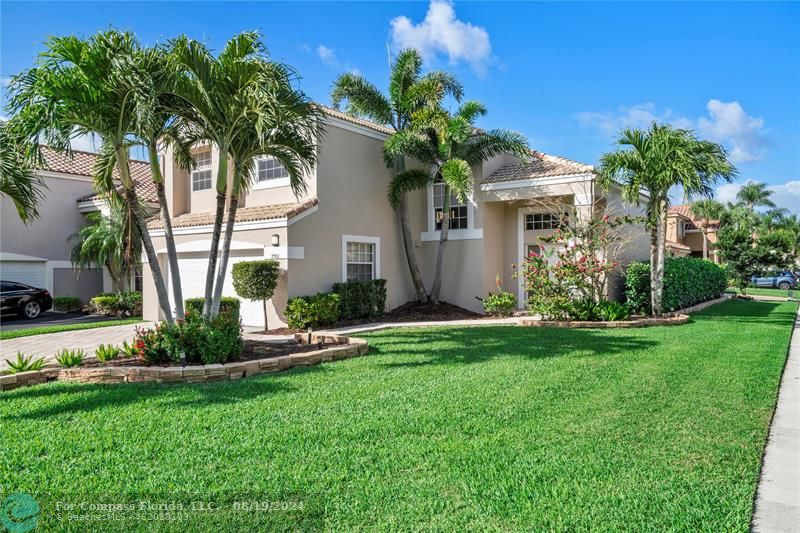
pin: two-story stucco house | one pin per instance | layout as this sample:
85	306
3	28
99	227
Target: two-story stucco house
684	236
38	253
343	227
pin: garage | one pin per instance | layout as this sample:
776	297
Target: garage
193	267
30	272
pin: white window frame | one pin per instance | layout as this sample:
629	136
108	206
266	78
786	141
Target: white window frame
551	221
364	239
203	169
454	234
268	183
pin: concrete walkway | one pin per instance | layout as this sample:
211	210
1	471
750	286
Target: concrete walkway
49	344
778	496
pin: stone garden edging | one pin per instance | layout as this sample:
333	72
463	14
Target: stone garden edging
673	319
341	348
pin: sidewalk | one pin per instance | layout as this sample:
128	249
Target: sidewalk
777	506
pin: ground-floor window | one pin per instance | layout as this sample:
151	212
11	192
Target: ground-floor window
360	258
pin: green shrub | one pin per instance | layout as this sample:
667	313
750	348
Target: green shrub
361	299
24	364
112	303
500	303
106	352
315	311
687	281
613	311
66	303
70	358
128	350
256	280
227	305
201	341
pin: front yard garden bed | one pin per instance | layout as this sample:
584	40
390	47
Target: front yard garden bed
258	357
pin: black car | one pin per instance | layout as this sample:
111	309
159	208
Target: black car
24	300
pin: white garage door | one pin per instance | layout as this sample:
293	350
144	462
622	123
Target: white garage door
28	272
193	280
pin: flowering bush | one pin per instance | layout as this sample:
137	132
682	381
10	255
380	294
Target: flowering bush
201	341
568	279
500	303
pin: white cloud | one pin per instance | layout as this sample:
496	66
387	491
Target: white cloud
786	195
740	132
327	55
442	33
727	123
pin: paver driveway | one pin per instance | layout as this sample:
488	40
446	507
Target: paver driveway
49	344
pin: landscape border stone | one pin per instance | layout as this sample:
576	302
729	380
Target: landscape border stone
332	348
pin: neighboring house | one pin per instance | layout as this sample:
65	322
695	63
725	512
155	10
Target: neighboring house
38	253
684	237
344	228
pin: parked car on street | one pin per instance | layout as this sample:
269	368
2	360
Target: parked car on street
775	280
23	300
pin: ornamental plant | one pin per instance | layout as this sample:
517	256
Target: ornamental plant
256	280
500	303
568	279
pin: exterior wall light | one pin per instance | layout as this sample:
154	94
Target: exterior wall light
276	239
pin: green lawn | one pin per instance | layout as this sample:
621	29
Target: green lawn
502	428
755	291
27	332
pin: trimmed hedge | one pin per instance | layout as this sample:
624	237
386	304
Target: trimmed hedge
227	304
66	303
687	281
316	311
113	303
361	299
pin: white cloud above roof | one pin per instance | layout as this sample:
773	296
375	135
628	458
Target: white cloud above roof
442	33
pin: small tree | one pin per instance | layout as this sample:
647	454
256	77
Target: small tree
256	280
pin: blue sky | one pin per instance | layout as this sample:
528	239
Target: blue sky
568	75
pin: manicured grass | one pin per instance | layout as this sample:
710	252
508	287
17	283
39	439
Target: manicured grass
27	332
500	428
755	291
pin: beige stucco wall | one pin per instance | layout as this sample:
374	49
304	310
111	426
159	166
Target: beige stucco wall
48	236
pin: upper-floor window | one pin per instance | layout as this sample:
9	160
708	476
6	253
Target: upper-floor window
536	221
458	210
689	226
201	171
270	168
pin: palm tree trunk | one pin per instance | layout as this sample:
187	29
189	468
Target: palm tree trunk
658	293
443	234
705	243
172	253
653	262
226	251
139	219
408	241
222	189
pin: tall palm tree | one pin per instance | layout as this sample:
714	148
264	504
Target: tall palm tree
704	211
238	93
113	241
285	125
78	88
449	145
409	91
18	181
654	160
754	195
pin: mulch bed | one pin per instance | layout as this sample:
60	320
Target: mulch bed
277	331
414	312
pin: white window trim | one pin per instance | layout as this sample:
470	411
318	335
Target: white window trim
203	169
471	232
361	238
268	184
540	212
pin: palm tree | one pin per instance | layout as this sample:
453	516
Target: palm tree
654	160
18	181
450	146
78	87
704	211
409	91
241	93
112	241
754	195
